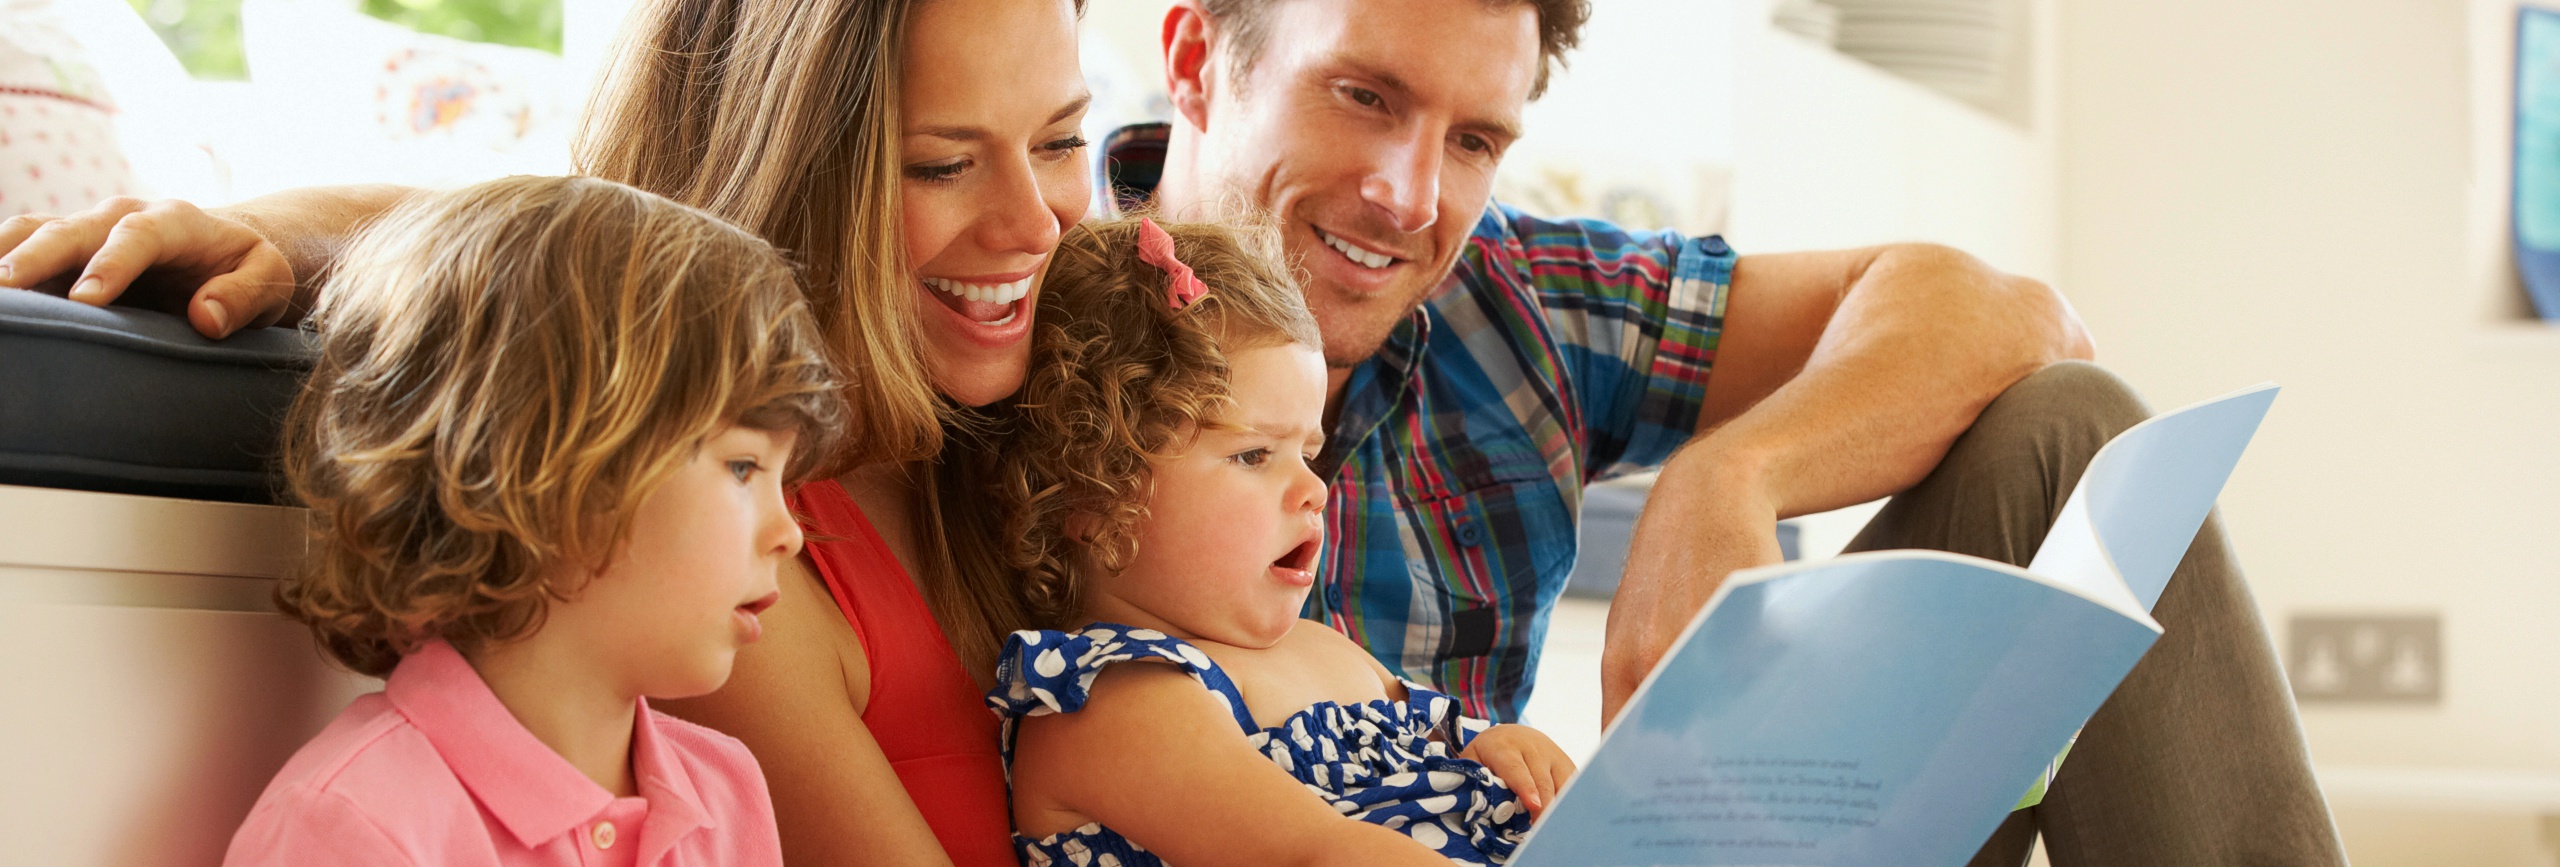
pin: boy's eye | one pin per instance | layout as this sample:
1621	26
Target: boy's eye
743	469
1252	457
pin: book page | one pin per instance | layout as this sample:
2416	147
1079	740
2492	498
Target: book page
2138	505
1853	711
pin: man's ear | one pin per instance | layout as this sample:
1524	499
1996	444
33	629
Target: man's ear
1188	74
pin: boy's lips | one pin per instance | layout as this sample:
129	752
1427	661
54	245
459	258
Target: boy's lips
751	627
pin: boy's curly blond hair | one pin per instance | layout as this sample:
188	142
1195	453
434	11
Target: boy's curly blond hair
1118	377
506	371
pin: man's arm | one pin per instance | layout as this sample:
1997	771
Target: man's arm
253	264
1839	378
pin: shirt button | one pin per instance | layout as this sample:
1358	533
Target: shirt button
1470	534
1714	245
603	835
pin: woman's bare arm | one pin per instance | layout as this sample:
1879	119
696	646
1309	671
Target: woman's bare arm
1157	758
252	264
796	699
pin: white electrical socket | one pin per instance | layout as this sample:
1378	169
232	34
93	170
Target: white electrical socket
2386	659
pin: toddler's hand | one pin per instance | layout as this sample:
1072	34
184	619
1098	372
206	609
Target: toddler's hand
1533	766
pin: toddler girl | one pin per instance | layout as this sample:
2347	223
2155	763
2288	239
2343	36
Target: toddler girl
1156	476
544	449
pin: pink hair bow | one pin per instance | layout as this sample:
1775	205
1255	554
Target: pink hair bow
1156	247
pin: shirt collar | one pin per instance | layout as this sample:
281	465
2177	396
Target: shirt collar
1375	388
529	788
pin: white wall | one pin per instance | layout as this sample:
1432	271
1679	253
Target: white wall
2310	191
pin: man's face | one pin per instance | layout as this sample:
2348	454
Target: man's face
1372	128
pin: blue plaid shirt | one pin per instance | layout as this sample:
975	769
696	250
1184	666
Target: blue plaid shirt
1557	354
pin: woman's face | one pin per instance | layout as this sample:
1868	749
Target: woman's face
993	170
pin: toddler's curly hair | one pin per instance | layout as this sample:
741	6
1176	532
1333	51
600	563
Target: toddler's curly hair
506	371
1118	376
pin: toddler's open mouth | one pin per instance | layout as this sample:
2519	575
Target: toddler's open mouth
1298	567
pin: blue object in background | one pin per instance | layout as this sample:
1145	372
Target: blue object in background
1609	523
2537	157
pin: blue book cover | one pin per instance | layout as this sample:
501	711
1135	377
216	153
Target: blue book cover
1889	707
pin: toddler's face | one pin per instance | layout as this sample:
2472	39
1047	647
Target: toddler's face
1228	549
681	595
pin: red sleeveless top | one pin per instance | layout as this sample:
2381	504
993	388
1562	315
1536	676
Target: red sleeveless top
925	711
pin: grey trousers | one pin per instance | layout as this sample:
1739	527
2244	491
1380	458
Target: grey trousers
2198	758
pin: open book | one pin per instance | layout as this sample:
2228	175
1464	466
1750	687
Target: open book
1889	707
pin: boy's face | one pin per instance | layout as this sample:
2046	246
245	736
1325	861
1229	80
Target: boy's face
1227	551
682	592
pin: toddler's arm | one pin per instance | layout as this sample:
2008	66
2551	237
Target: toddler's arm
1158	759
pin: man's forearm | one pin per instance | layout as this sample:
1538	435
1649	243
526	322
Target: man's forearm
1920	342
312	226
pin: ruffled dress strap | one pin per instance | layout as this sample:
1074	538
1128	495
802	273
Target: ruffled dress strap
1046	671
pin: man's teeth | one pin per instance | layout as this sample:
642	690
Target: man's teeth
1365	258
989	293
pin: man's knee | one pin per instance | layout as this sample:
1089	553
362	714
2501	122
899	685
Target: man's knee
2071	406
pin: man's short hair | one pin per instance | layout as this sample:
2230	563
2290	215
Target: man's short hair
1559	30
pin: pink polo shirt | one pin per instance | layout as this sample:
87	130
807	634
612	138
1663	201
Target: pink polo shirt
432	770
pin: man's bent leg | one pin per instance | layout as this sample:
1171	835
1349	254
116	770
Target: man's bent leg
2198	757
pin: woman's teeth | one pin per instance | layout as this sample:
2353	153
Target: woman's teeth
1365	258
984	293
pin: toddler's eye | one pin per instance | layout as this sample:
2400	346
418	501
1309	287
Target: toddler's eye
744	469
1252	457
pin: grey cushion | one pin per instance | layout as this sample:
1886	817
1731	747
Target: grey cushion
134	401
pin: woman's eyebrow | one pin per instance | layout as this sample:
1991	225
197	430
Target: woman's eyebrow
964	133
1073	106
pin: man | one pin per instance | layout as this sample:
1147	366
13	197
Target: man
1487	365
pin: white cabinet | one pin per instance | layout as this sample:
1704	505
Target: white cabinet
148	689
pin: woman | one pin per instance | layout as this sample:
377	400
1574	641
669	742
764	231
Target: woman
922	180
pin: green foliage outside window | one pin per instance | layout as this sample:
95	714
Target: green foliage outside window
521	23
205	34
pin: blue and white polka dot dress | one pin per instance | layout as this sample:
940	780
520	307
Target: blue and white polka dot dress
1375	761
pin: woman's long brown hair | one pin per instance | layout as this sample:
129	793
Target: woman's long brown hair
783	116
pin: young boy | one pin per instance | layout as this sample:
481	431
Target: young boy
544	449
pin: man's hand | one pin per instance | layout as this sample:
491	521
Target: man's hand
221	274
1704	520
1841	378
1526	760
